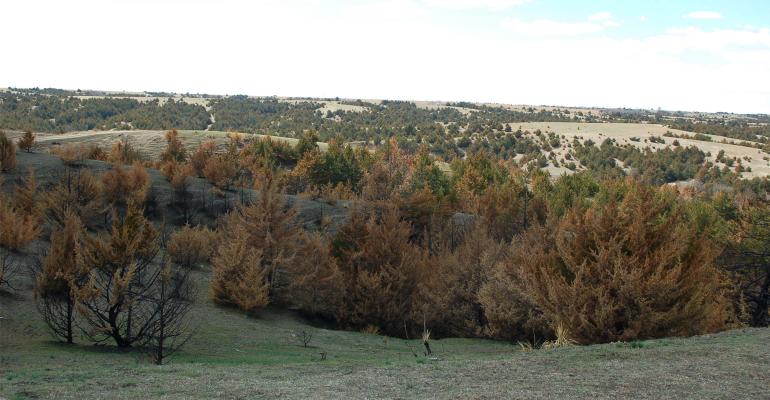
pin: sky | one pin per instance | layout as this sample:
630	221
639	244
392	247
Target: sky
676	55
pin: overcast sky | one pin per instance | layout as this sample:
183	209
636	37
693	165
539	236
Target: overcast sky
677	55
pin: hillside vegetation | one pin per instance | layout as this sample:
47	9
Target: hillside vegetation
209	251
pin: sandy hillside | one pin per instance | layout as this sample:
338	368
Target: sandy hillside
623	133
149	142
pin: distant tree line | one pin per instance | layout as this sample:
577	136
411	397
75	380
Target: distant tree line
49	113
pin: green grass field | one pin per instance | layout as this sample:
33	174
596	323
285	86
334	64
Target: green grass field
236	356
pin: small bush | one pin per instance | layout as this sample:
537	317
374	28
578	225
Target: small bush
123	152
70	154
25	197
76	193
7	153
121	186
220	170
199	159
27	141
190	247
17	228
175	150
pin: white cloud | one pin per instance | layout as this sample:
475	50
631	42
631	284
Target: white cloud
717	41
704	15
384	9
600	17
494	5
643	18
545	27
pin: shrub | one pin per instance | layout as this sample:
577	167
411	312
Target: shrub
27	141
7	153
380	269
200	158
630	267
175	150
123	152
339	164
25	197
307	142
220	170
189	247
506	209
70	154
121	186
510	314
449	295
17	228
76	193
180	177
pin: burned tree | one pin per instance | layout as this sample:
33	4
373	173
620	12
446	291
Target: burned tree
748	257
171	300
7	270
63	271
123	273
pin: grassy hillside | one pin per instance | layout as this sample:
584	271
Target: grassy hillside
151	142
236	356
233	355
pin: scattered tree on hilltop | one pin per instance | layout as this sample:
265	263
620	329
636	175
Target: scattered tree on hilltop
175	150
123	152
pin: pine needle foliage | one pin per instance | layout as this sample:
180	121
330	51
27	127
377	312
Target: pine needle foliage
63	271
7	153
629	267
